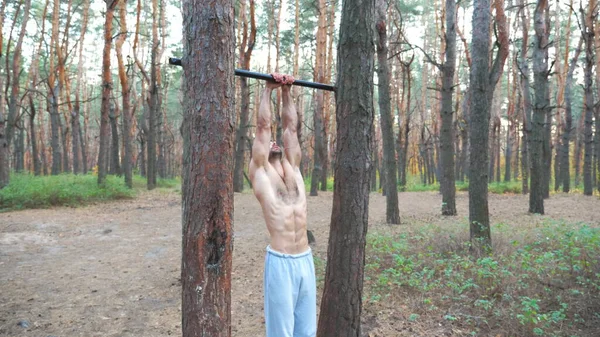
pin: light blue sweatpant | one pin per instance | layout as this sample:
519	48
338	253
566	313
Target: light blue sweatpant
290	294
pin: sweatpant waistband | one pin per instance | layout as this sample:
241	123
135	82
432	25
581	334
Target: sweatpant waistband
288	256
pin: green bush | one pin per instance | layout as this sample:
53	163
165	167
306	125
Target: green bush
535	283
28	191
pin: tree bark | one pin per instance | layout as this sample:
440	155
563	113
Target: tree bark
76	113
483	80
566	132
14	80
246	49
447	181
4	154
104	149
126	101
341	304
588	35
387	132
209	123
541	105
320	148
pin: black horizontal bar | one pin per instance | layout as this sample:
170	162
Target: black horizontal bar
266	77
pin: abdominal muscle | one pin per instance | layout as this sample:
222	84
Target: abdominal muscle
287	225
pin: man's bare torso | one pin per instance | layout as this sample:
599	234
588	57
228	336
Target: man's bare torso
280	191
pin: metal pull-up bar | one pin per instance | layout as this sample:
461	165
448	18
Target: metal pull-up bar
266	77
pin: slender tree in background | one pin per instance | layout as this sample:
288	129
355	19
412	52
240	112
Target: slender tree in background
588	36
14	96
126	103
320	148
208	91
341	304
78	166
387	132
568	125
4	153
525	98
540	107
246	48
153	101
483	80
595	19
103	152
53	95
447	182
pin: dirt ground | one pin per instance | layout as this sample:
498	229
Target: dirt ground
113	269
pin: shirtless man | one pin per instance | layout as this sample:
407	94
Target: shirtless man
289	276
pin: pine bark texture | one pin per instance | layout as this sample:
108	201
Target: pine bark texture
568	125
126	103
208	129
241	142
447	182
387	132
103	152
588	35
4	166
479	123
341	304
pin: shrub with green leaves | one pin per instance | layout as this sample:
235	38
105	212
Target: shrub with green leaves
542	281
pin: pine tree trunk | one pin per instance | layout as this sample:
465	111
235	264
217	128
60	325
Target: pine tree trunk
341	304
389	152
14	96
103	152
37	167
483	80
588	35
126	103
538	138
246	49
568	125
447	182
207	214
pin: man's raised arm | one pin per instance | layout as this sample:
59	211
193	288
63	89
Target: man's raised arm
261	145
290	127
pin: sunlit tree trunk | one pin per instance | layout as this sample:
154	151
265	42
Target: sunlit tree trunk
127	111
103	152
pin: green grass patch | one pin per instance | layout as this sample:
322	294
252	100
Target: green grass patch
540	281
28	191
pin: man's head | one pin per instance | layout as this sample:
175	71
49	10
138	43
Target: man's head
275	151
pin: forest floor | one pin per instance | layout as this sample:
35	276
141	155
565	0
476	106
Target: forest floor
112	269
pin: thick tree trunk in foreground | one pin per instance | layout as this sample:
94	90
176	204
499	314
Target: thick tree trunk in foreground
341	304
387	132
208	126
